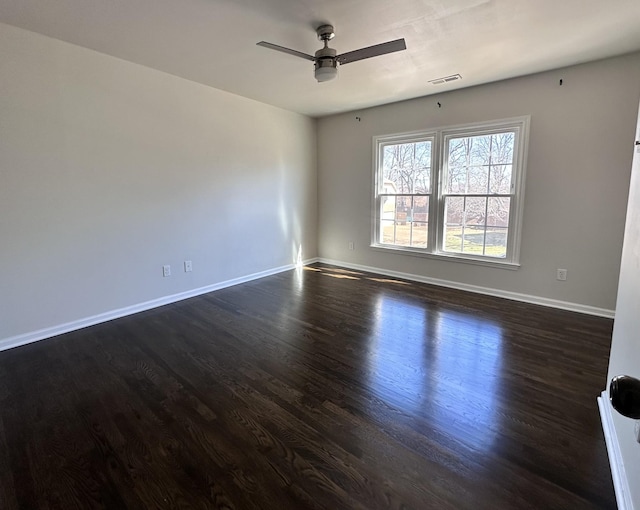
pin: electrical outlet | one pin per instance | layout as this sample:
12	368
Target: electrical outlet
188	266
561	275
351	246
166	270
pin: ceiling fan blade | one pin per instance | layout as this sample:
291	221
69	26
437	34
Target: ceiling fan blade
372	51
295	53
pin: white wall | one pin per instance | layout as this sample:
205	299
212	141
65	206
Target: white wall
625	346
108	170
576	187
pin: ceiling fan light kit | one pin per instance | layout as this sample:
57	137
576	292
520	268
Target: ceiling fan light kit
325	69
326	60
326	65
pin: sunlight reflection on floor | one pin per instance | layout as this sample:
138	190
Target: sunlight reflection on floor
447	368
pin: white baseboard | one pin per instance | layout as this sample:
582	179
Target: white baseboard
620	480
42	334
515	296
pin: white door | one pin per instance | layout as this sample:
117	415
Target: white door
625	347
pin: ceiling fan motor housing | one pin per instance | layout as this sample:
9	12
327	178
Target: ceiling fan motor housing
325	32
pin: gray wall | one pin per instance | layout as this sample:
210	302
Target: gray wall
576	187
625	346
108	170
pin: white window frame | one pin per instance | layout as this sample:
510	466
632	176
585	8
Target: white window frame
439	167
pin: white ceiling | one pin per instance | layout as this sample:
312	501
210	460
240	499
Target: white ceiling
214	41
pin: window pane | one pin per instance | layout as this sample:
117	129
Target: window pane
419	234
453	218
473	234
500	180
470	151
456	180
406	167
477	179
420	218
403	209
403	233
387	235
498	211
502	148
497	226
496	242
420	209
387	208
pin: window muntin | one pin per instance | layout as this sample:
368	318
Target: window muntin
454	192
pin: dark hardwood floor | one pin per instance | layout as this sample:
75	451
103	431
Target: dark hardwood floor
315	388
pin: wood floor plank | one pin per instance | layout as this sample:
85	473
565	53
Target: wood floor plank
318	388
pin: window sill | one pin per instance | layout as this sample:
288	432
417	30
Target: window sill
465	259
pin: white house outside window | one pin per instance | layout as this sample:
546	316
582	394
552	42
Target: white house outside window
452	192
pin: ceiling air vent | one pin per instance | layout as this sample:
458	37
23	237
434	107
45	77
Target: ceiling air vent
446	79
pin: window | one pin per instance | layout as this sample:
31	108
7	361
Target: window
453	192
406	192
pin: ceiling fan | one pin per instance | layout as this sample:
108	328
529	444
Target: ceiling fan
326	61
